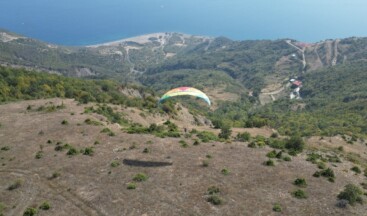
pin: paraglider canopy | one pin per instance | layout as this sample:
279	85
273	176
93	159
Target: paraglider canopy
185	91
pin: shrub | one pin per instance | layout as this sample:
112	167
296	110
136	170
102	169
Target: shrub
209	156
140	177
49	142
277	143
225	171
92	122
183	144
214	199
327	173
45	206
356	169
287	158
39	155
342	203
30	212
146	150
274	135
207	136
252	145
269	163
88	151
352	194
321	165
17	184
279	155
72	151
115	163
213	190
55	175
277	207
271	154
5	148
196	142
106	130
243	137
64	122
205	163
301	182
295	144
225	132
299	194
131	186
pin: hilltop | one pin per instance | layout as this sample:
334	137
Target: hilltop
177	179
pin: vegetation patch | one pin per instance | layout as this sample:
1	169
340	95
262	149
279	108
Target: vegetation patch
277	207
115	163
140	177
88	121
45	206
30	211
15	185
299	194
352	194
300	182
213	195
131	186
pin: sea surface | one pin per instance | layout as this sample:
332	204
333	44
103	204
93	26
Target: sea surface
87	22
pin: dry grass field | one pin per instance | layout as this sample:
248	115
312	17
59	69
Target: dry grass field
177	182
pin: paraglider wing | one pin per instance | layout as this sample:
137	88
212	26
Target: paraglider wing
185	91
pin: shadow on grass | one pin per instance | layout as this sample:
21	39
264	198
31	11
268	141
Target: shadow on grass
145	163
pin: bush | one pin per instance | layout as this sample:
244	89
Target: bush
299	194
342	203
207	136
64	122
301	182
352	194
131	186
196	142
214	199
213	190
17	184
55	175
88	151
243	137
287	158
225	171
274	135
327	173
295	144
72	151
146	150
277	143
30	212
356	169
45	206
277	207
115	164
39	155
5	148
140	177
269	163
205	163
271	154
183	144
225	132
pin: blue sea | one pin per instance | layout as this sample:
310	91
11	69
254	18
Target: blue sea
86	22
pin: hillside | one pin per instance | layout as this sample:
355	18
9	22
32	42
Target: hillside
95	183
260	66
